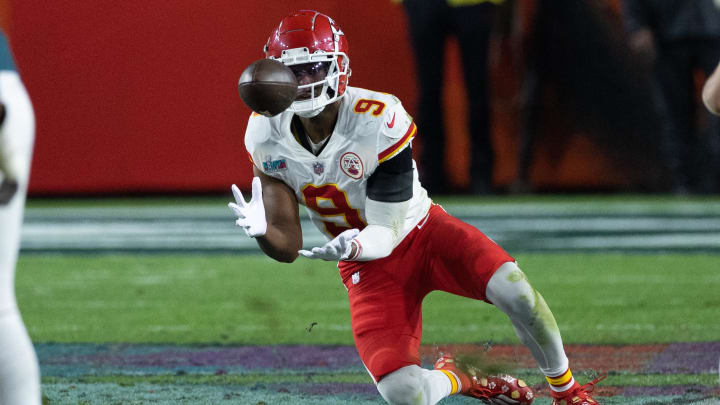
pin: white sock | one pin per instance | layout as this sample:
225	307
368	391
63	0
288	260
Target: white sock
413	385
535	326
19	373
437	386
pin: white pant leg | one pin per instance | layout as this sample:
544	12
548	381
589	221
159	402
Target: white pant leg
19	371
535	326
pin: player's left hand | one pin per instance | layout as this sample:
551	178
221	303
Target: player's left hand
335	250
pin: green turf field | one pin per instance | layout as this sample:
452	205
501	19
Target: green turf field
142	326
632	298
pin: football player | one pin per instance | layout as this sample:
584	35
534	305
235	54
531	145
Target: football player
19	374
344	153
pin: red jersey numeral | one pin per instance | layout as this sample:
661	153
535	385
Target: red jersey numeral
336	205
364	105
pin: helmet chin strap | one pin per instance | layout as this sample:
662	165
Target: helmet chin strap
312	107
311	113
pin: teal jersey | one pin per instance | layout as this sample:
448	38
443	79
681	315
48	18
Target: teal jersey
6	59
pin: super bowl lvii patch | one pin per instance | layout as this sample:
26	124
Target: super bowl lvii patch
271	166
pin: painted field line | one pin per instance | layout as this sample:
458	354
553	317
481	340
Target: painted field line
550	225
661	359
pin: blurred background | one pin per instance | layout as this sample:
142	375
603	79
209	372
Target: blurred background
140	97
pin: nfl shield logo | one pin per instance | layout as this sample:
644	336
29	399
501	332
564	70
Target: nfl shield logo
318	168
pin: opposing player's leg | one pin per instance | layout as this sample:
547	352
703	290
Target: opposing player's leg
19	374
535	326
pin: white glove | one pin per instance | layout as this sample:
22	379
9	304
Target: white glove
251	215
335	250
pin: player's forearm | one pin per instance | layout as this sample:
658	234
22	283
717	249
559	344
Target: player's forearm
280	244
385	225
374	242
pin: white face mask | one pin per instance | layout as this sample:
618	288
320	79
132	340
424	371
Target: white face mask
320	92
324	91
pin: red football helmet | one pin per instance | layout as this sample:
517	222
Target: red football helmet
311	43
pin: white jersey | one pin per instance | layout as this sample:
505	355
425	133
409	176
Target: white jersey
371	128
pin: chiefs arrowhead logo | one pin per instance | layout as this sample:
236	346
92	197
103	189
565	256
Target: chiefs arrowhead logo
351	165
392	122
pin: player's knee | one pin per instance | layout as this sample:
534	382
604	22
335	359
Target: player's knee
403	386
510	291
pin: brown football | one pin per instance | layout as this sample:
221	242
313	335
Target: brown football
268	87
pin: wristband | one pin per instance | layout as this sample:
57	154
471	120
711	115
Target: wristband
358	249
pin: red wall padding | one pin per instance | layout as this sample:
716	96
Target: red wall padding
141	95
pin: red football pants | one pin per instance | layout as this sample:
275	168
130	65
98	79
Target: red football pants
440	253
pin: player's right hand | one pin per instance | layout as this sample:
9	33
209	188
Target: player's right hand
335	250
251	215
